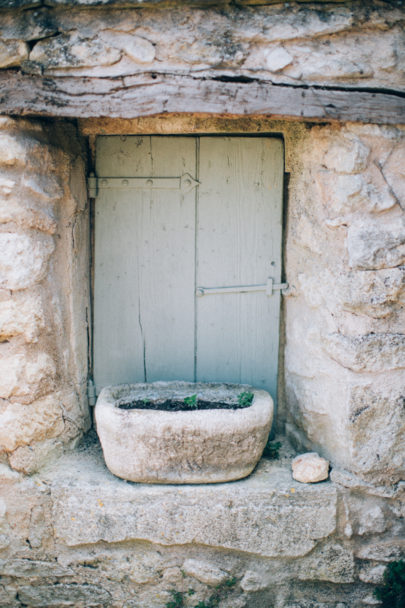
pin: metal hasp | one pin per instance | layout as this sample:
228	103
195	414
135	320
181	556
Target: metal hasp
185	183
269	288
91	392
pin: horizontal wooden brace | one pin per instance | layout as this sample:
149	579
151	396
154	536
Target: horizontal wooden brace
147	94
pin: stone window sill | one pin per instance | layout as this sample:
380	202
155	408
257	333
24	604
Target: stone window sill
267	514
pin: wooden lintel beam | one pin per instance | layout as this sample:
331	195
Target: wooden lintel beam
147	94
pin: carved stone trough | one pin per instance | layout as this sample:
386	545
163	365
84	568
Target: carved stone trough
221	442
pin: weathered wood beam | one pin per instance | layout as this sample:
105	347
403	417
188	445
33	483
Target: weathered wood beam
24	4
150	93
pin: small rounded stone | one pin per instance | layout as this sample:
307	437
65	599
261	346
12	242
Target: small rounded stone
310	468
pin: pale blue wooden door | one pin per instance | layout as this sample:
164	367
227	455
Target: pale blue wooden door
162	246
239	243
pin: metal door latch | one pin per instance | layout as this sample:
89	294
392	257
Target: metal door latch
185	183
91	392
269	288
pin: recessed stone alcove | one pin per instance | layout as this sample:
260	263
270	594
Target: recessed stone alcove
70	533
252	529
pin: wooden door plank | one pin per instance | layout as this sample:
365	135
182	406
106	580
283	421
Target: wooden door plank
239	243
144	264
118	352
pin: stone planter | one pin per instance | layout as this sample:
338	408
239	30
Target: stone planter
198	446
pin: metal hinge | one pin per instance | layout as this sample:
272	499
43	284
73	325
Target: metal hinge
269	288
185	183
91	392
92	185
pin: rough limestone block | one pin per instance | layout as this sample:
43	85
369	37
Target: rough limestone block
378	196
375	293
141	575
14	125
45	189
6	185
330	562
21	148
13	152
21	315
357	484
22	424
394	172
316	65
384	551
372	520
341	194
310	468
370	352
73	50
267	514
26	214
24	500
253	581
32	25
30	567
347	194
375	244
10	368
12	53
173	576
26	377
204	572
277	59
347	155
29	459
64	594
372	574
5	538
370	600
24	259
138	49
8	597
375	429
366	515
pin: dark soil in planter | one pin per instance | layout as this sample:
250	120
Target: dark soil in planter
177	405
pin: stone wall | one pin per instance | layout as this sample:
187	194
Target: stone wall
326	61
77	536
345	319
70	533
300	44
43	292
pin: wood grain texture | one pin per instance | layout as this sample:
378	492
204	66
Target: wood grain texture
239	243
144	265
152	248
148	94
24	4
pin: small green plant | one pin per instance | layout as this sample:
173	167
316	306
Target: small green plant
191	401
245	399
213	601
392	592
219	594
230	582
272	450
177	601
